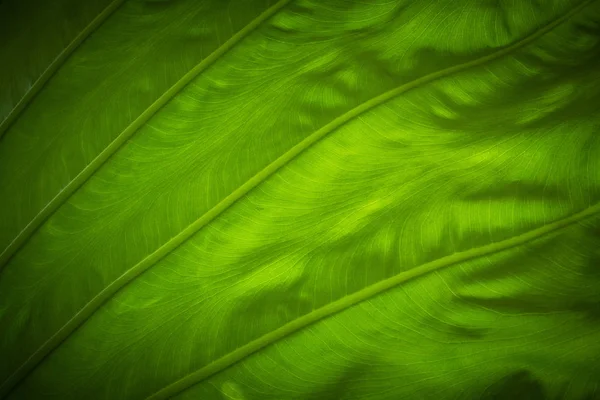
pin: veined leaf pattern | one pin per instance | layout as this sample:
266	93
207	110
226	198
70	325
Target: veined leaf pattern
306	200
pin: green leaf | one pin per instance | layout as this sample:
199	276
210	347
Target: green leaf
300	199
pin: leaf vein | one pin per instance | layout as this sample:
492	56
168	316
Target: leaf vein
365	294
41	81
64	194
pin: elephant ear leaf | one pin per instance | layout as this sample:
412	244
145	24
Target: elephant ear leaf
299	199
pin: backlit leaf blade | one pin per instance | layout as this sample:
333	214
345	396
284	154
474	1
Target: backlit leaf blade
87	113
326	157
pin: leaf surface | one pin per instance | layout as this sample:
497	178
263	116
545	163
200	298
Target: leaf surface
308	200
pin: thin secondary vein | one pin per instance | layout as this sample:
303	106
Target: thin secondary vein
41	81
63	195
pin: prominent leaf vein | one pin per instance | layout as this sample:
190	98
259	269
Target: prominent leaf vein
63	195
54	66
82	177
363	295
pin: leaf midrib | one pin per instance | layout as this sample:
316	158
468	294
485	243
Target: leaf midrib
89	309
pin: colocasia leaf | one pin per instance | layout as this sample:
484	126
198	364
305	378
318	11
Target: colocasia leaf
299	199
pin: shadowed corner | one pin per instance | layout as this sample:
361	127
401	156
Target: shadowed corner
520	385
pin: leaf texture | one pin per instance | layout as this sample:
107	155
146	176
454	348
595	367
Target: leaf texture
302	200
24	77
